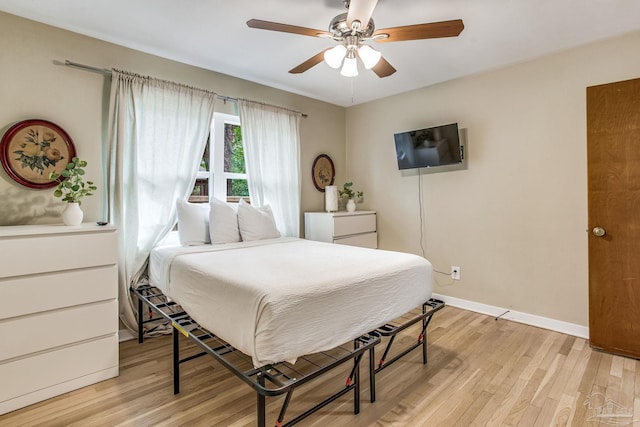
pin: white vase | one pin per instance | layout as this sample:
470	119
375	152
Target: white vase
72	214
351	206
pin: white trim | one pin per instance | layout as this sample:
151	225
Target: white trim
124	335
218	182
517	316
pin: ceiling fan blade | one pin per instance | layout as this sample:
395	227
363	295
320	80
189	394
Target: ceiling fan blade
309	63
286	28
383	68
431	30
360	10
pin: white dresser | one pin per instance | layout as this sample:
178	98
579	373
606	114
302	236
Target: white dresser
347	228
58	310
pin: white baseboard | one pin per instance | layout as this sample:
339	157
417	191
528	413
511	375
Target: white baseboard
517	316
124	335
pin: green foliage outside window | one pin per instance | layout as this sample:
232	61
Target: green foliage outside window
235	152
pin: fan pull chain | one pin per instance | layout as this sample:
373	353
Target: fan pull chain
353	90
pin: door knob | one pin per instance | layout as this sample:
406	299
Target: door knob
599	232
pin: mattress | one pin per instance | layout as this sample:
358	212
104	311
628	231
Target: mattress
278	299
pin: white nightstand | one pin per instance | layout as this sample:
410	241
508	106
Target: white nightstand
346	228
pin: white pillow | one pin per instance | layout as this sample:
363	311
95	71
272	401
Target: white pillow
193	223
256	223
223	222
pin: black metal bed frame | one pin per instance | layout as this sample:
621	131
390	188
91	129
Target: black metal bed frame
392	329
282	378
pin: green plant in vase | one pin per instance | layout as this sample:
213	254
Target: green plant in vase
72	188
71	185
351	194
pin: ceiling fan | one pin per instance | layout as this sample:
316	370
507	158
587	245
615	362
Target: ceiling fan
350	31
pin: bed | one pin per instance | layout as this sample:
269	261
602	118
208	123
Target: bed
284	301
278	299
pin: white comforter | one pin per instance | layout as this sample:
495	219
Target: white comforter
279	299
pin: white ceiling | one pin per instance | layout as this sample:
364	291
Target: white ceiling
213	34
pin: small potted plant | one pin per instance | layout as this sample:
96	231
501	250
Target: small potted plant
350	194
72	188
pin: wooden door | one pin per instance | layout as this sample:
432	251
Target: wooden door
613	160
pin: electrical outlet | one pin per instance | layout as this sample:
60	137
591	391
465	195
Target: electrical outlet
455	272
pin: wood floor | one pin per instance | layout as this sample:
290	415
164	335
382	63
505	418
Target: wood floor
480	372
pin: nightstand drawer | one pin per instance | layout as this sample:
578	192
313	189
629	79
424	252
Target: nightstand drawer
346	228
367	240
356	224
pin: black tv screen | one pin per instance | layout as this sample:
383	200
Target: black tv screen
430	147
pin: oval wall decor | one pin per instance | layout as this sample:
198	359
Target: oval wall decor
323	172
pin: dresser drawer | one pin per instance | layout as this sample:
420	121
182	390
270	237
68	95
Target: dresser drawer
354	224
40	292
44	370
56	252
58	328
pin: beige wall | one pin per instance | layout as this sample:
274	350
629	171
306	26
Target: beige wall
515	220
32	86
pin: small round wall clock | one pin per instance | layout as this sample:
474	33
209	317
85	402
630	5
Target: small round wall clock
323	172
31	149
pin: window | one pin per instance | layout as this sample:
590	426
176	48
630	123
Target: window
222	172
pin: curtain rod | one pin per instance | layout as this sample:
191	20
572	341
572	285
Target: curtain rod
108	73
87	67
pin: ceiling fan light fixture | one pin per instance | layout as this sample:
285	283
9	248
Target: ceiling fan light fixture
351	30
350	67
369	56
333	57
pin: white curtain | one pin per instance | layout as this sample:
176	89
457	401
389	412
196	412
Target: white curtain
157	133
271	140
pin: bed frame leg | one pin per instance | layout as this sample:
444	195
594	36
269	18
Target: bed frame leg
356	392
425	323
372	375
176	361
356	377
261	406
140	334
285	405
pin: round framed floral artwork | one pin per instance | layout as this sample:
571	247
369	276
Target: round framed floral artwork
31	149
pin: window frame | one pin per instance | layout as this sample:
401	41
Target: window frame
215	179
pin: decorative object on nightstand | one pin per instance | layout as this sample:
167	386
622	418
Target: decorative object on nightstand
72	188
32	148
351	195
331	198
322	172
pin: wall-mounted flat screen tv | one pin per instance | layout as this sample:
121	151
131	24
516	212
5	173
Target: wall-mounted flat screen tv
430	147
